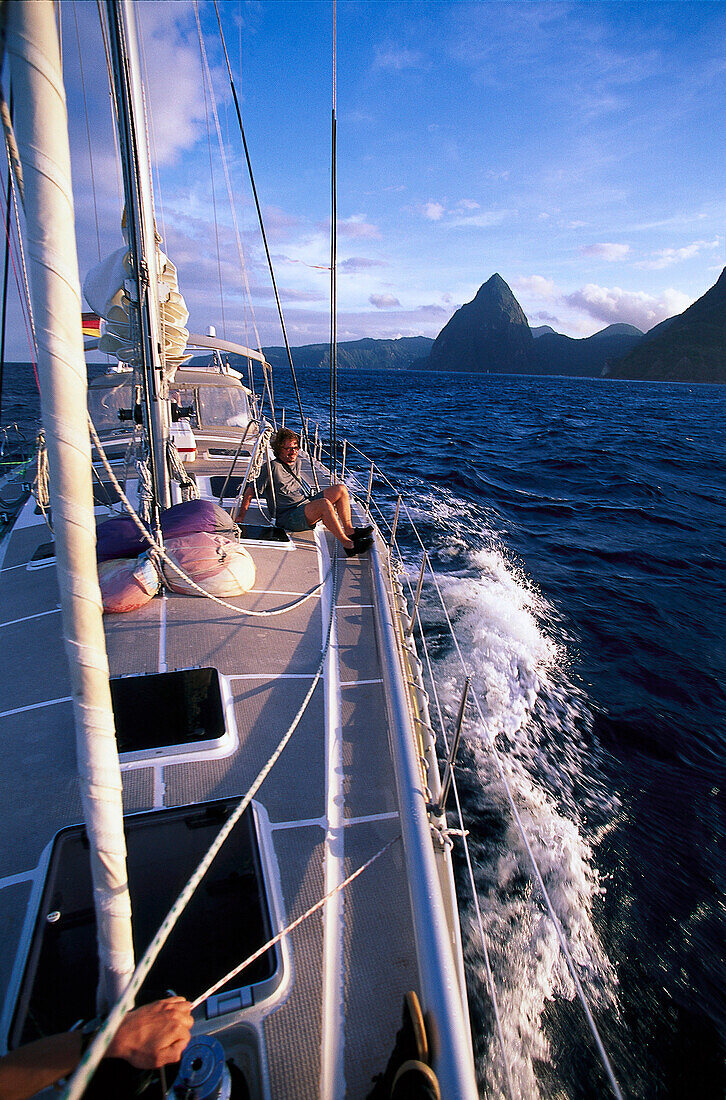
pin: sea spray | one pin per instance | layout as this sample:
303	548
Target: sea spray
537	716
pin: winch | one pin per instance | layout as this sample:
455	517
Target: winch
203	1073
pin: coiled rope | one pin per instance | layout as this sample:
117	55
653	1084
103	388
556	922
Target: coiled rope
41	488
158	549
189	488
98	1047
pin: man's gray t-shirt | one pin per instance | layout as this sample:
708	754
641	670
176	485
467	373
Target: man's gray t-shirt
290	489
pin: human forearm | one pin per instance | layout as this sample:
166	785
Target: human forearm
35	1066
148	1037
241	510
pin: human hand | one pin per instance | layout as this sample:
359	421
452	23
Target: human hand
153	1035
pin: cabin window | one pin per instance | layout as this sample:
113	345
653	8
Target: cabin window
104	404
222	406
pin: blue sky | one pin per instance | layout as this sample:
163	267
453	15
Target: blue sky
575	148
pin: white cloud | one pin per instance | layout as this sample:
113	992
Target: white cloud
177	106
357	226
434	211
606	251
537	285
397	58
667	256
486	220
355	264
613	305
384	301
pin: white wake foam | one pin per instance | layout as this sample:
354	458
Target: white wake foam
519	675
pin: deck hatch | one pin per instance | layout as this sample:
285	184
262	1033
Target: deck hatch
258	532
168	710
227	919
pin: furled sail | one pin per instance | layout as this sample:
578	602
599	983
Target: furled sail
110	291
32	46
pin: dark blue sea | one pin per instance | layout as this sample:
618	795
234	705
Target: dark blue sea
578	530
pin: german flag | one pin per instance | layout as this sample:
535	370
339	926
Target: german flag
91	325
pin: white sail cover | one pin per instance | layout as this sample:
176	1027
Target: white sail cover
110	291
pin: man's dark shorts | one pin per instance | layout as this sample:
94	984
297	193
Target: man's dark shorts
295	519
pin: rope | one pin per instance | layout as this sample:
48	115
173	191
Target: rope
291	927
14	190
25	307
145	489
177	469
98	1047
172	564
41	488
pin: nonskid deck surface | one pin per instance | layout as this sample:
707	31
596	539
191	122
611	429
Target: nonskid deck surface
330	800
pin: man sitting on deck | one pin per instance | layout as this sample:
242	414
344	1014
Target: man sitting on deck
295	507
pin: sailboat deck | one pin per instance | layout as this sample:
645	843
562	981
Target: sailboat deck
328	805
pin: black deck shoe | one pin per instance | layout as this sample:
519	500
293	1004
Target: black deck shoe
361	533
359	547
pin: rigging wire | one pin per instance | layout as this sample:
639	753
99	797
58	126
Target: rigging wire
467	857
214	196
334	258
304	430
152	130
111	96
88	131
294	924
383	521
6	270
223	157
23	298
17	187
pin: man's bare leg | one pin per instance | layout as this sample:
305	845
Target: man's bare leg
339	497
323	510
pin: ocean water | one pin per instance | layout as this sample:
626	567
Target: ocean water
577	528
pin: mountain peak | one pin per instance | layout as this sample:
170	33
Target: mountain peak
490	333
495	287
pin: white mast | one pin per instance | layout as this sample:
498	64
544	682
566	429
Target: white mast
42	127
